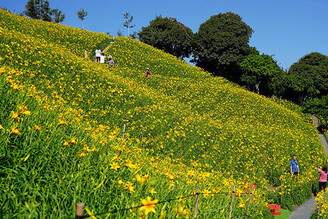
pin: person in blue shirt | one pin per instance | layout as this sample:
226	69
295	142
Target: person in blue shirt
294	169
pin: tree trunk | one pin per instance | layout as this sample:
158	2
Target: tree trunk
82	25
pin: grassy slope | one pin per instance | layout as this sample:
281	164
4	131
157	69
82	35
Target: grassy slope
193	123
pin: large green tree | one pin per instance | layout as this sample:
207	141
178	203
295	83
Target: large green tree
307	78
40	9
221	43
259	70
169	35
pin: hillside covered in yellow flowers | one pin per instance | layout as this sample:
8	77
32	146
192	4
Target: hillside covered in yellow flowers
61	125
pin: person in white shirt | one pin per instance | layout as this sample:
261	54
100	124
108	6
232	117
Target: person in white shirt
102	58
98	54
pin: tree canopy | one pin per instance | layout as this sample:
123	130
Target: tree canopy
318	106
169	35
221	43
128	22
40	9
259	69
81	14
57	16
307	78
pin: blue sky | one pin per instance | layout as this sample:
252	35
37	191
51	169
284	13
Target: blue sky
287	29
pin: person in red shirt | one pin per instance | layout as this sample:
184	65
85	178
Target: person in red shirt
148	73
323	178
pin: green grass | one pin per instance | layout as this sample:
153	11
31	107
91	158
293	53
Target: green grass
284	214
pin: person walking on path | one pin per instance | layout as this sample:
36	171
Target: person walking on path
294	168
148	73
323	178
98	54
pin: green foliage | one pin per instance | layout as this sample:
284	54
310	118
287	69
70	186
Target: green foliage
128	22
222	42
259	69
308	78
169	35
119	32
40	9
319	107
57	16
81	14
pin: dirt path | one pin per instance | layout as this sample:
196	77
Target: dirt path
304	211
105	50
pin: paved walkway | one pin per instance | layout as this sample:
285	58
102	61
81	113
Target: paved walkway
304	211
324	142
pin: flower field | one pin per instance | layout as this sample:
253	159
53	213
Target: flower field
73	39
61	132
322	204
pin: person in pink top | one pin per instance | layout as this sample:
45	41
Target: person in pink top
323	178
148	73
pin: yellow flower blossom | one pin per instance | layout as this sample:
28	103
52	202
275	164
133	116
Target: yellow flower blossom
15	131
15	116
129	187
24	110
120	182
152	191
114	166
72	141
62	122
181	211
82	154
37	128
130	165
241	204
148	205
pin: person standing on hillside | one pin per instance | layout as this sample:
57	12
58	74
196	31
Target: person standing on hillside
148	73
98	54
323	178
111	62
294	168
102	58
